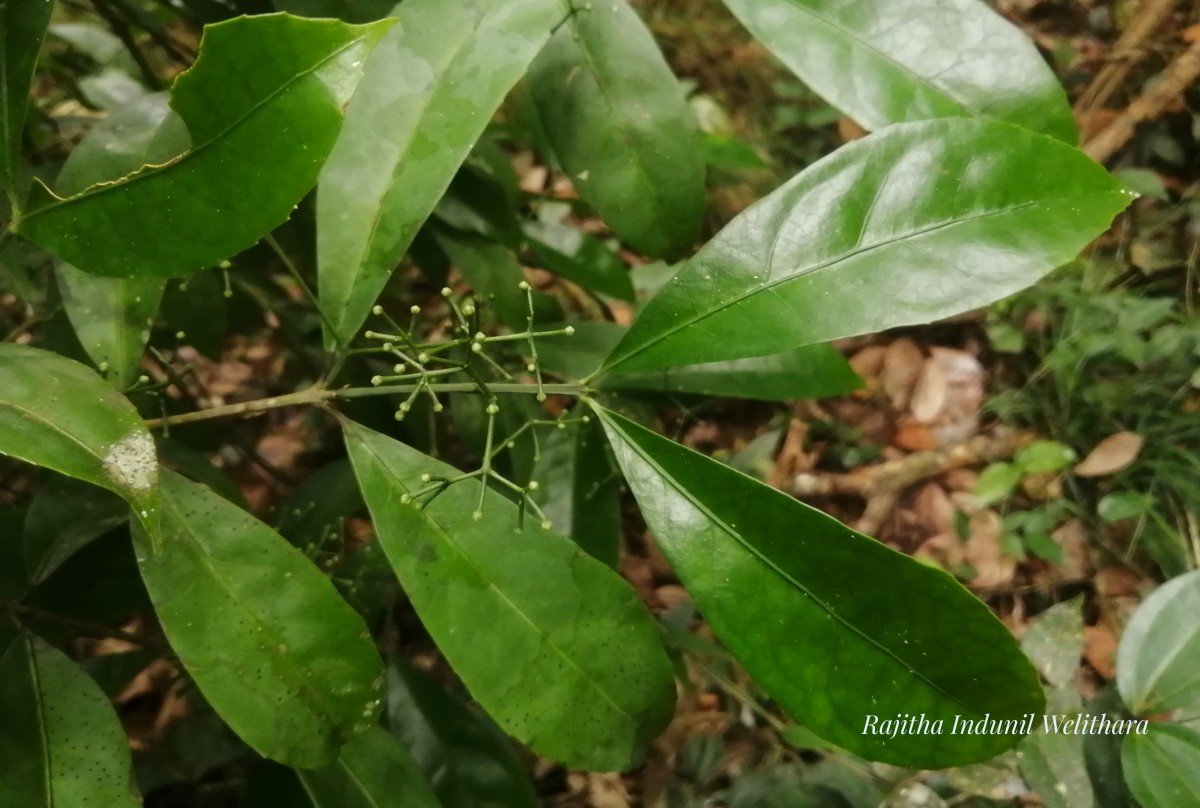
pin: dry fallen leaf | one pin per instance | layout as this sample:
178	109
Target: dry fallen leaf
850	130
929	397
957	418
945	548
902	366
983	552
1112	454
934	510
915	437
868	363
1099	649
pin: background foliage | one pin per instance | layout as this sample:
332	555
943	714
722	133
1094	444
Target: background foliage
465	270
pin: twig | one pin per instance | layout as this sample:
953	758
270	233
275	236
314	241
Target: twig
294	271
1173	81
1125	53
882	484
120	28
317	396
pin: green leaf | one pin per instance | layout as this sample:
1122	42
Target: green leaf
1044	456
427	94
1054	766
573	254
883	63
61	743
833	625
1159	652
996	483
578	487
112	316
1044	546
262	109
64	516
466	758
1121	505
619	124
59	414
372	771
283	659
22	28
552	643
812	371
1162	767
911	224
1055	641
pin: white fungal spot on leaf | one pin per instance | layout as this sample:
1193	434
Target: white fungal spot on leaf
132	463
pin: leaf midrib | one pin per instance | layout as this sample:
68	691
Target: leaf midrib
902	68
629	441
35	680
148	171
591	682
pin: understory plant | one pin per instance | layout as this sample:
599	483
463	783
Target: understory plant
489	421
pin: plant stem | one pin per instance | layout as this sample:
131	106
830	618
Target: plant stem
317	396
294	271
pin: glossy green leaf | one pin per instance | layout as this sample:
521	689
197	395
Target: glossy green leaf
59	414
1162	767
578	489
552	643
833	625
283	659
65	515
60	740
915	223
466	758
428	92
573	254
22	28
112	316
1159	652
372	771
262	109
811	371
617	119
885	63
